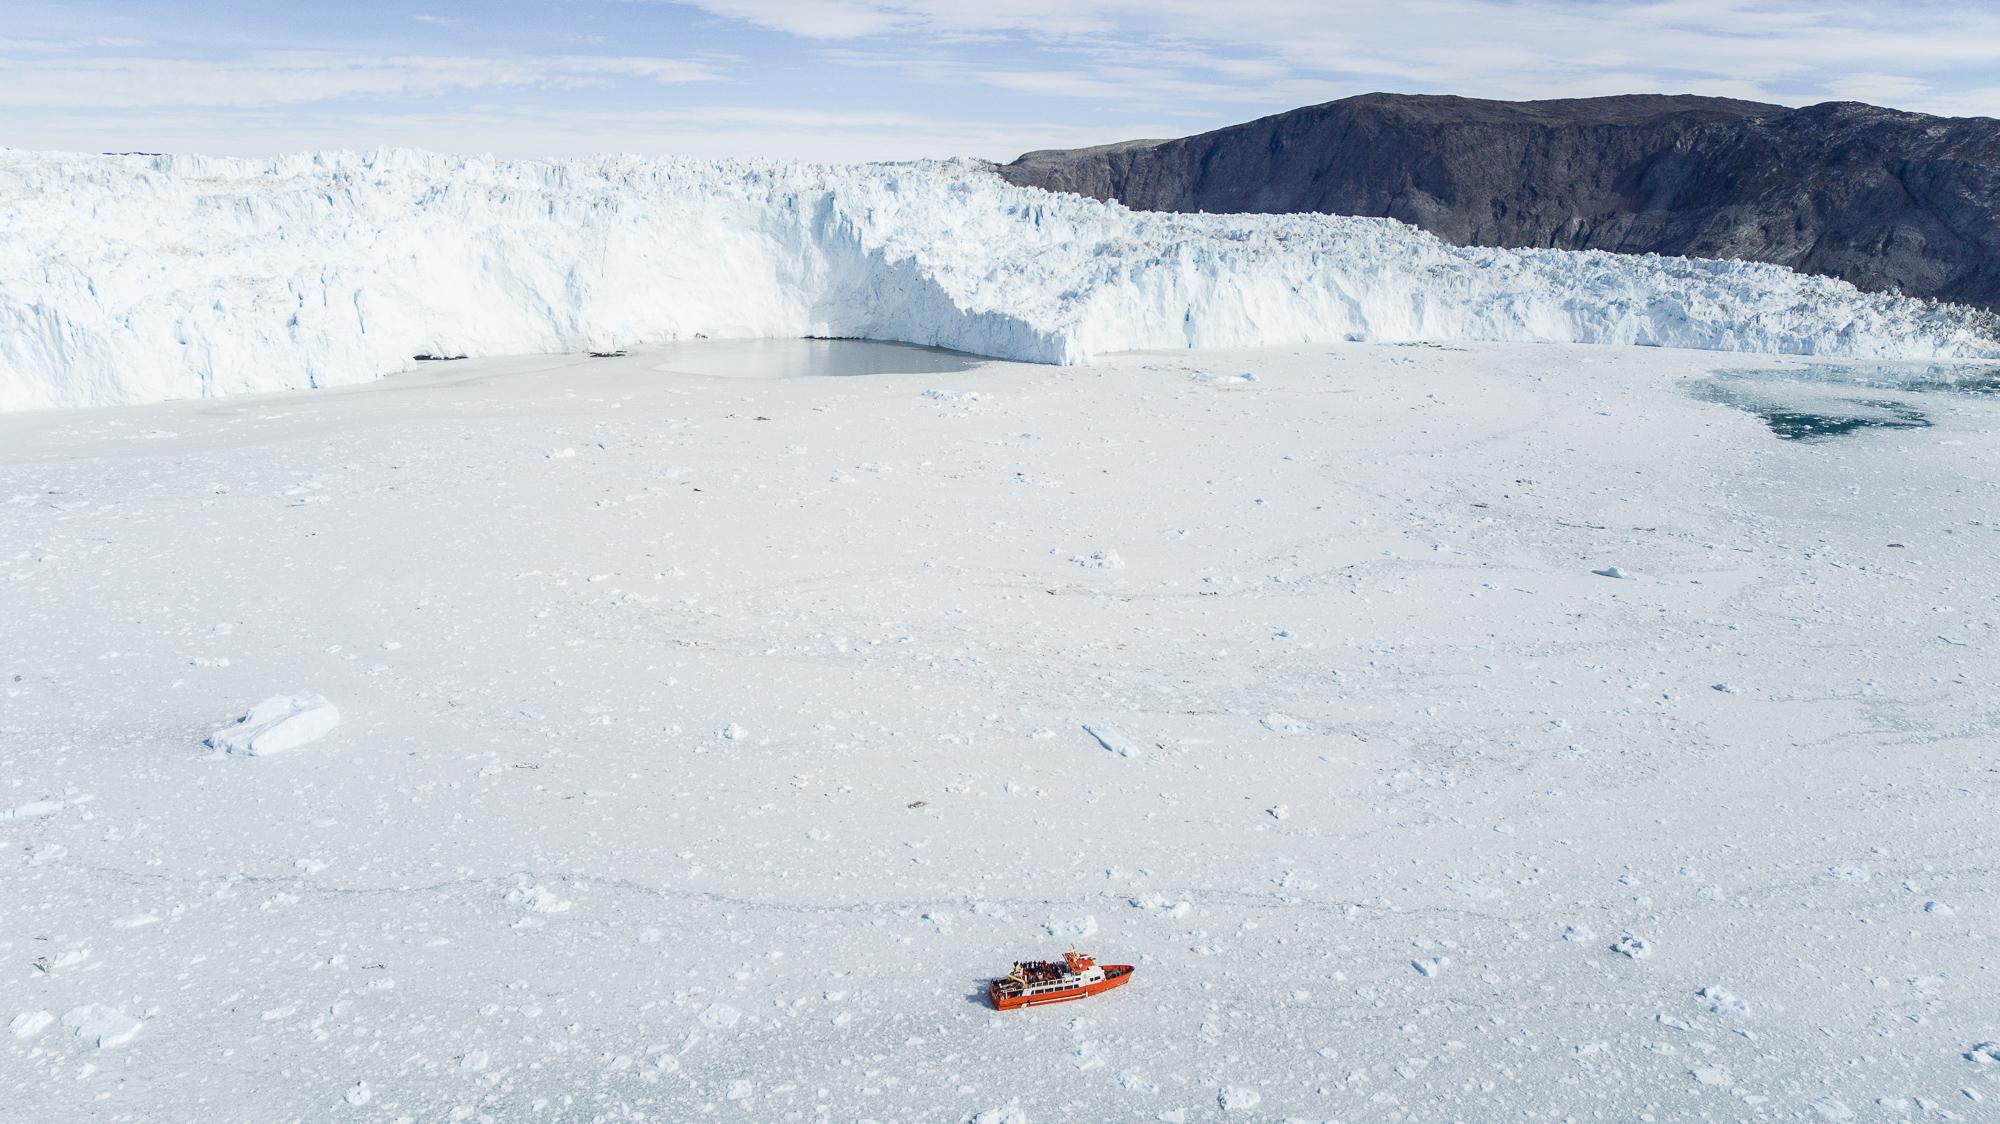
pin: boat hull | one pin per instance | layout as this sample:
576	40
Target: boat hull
1115	975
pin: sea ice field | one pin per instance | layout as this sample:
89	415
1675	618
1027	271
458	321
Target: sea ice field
1483	732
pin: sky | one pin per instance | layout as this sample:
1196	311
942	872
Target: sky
896	79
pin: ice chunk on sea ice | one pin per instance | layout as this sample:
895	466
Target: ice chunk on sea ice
1112	740
1238	1098
538	899
1073	928
277	724
102	1026
27	1024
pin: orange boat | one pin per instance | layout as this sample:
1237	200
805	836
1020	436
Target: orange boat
1035	982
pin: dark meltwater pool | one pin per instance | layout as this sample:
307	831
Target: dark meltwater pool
797	359
1823	402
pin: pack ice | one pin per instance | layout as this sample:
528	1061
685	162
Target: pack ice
278	724
143	278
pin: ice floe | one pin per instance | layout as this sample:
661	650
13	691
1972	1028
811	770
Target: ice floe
102	1026
276	725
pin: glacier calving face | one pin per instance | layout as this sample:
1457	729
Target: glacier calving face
128	279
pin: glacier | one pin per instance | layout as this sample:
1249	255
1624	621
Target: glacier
142	278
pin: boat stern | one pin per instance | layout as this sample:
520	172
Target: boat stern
998	997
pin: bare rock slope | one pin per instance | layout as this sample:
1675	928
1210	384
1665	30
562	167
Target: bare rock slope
1884	199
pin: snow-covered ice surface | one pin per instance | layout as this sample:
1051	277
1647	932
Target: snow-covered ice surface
1531	864
134	278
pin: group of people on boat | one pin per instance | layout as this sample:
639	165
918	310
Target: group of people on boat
1032	972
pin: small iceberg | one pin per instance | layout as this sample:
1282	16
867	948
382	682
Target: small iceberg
278	724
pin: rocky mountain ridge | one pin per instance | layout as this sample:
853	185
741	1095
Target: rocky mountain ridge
1885	199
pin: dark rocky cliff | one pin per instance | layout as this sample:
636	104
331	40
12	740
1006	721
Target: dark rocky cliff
1882	198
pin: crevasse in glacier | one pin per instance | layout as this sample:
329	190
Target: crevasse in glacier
129	279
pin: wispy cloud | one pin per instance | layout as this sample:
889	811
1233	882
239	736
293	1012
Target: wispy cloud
66	46
1798	49
298	77
832	136
884	78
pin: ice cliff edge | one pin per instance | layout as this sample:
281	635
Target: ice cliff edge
127	279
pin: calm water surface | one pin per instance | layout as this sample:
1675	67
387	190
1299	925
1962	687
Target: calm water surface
798	359
1827	401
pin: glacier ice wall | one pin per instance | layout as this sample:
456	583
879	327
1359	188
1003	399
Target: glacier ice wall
129	279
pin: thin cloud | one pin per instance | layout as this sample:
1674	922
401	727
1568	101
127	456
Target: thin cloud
989	78
64	46
1495	48
290	78
830	136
